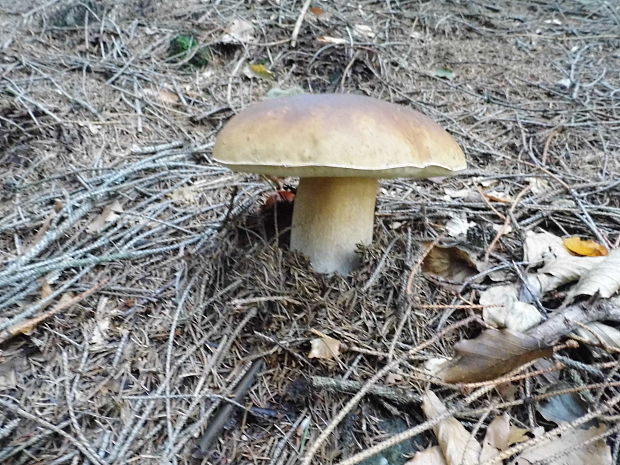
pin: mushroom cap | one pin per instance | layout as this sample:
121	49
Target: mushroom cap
339	135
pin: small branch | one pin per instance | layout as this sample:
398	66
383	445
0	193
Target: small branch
299	22
560	324
398	395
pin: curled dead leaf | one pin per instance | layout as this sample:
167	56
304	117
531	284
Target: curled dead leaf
451	263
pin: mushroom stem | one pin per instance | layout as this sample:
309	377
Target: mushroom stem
331	216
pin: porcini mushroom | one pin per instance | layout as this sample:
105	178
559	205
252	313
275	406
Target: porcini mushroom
339	145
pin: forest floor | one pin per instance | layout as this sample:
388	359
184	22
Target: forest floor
149	314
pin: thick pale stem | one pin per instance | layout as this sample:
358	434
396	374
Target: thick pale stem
332	216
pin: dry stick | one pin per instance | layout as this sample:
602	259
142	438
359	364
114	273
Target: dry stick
549	435
298	23
357	397
399	395
62	305
47	425
223	414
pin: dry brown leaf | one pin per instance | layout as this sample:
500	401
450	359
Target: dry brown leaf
500	436
451	263
602	279
490	355
324	347
598	452
108	215
316	10
457	444
430	456
163	95
504	310
585	247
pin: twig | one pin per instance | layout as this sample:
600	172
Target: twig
298	23
401	396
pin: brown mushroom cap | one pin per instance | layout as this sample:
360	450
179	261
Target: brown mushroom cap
336	135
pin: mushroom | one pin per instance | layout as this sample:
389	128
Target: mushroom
339	145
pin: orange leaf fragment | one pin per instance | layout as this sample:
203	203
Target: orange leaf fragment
585	247
316	10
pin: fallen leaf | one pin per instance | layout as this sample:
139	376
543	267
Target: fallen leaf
458	226
430	456
324	347
103	322
239	32
444	73
538	185
499	196
562	408
316	11
585	247
597	452
500	436
457	444
504	310
490	355
602	279
451	263
163	95
543	247
108	215
258	71
599	333
558	272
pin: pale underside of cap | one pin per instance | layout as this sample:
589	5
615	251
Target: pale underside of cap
339	135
